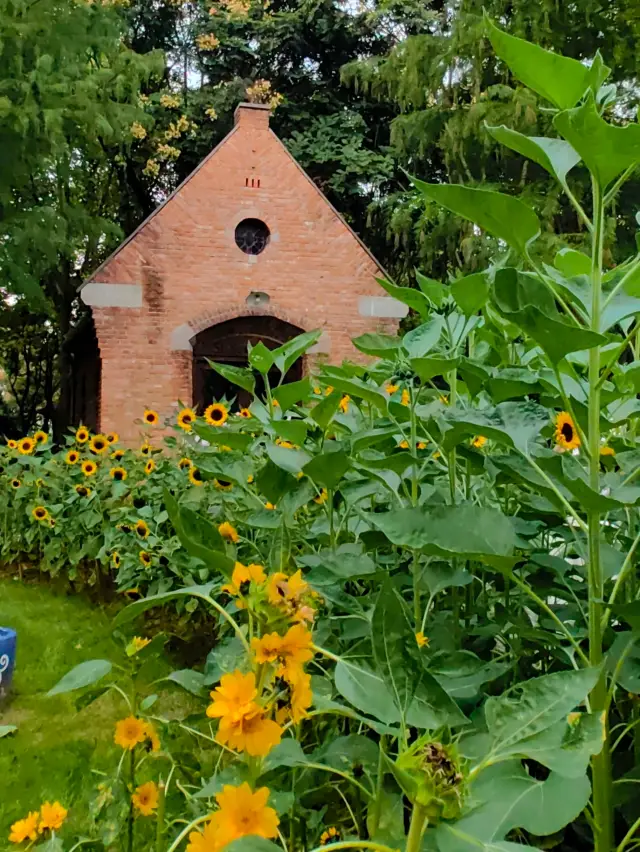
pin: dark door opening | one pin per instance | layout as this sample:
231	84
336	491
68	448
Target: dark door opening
227	343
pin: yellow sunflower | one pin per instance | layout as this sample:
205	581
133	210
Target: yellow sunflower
89	467
99	444
40	437
13	445
40	513
72	457
130	732
566	434
146	449
186	419
195	477
331	835
83	490
145	798
15	483
223	484
82	435
145	558
112	437
479	441
149	467
52	816
117	455
26	446
605	450
115	560
228	531
322	497
151	417
244	412
142	529
344	403
216	414
184	463
118	473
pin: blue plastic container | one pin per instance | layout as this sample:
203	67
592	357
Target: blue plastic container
7	659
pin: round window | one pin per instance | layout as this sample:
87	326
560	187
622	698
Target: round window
252	236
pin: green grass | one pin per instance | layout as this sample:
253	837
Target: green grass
55	749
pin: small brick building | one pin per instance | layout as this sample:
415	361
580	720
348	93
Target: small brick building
246	249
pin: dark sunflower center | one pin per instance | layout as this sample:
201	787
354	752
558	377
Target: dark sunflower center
224	483
216	414
40	513
244	587
117	474
567	431
196	475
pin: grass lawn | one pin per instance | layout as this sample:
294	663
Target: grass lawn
55	749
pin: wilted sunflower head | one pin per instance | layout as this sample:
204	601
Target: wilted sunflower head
82	435
83	490
26	446
186	418
72	457
195	477
145	557
40	437
40	513
141	528
118	473
216	414
151	417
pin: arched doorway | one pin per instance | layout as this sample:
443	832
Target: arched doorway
227	343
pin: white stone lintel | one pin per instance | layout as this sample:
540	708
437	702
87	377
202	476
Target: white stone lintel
382	307
181	338
99	294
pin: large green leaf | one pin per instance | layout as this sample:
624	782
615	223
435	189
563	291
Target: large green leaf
327	469
260	358
85	674
291	393
356	388
466	531
516	424
502	216
471	292
504	798
287	354
559	79
555	155
136	609
240	376
423	338
219	437
392	640
434	290
379	345
536	704
607	149
287	458
427	368
407	295
199	536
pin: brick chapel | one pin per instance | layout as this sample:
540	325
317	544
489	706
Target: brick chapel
246	249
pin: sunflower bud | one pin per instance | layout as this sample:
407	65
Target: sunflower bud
432	775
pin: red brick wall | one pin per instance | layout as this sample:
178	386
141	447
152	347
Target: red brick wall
192	272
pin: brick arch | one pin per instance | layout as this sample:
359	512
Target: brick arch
207	319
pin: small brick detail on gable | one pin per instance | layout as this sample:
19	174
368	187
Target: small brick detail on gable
190	274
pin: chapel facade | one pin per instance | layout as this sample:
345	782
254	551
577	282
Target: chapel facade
246	249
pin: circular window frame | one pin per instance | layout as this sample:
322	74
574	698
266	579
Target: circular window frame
252	244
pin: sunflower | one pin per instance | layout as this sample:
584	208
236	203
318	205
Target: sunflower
118	473
422	640
142	529
149	467
99	444
15	483
331	835
40	513
223	484
228	531
243	812
72	457
115	559
40	437
117	455
479	441
185	419
82	435
566	434
146	449
344	403
139	643
89	467
112	437
195	477
242	723
25	829
269	505
51	816
83	491
13	445
405	399
605	450
244	412
145	558
322	497
184	463
391	389
130	732
145	798
26	446
150	417
216	414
